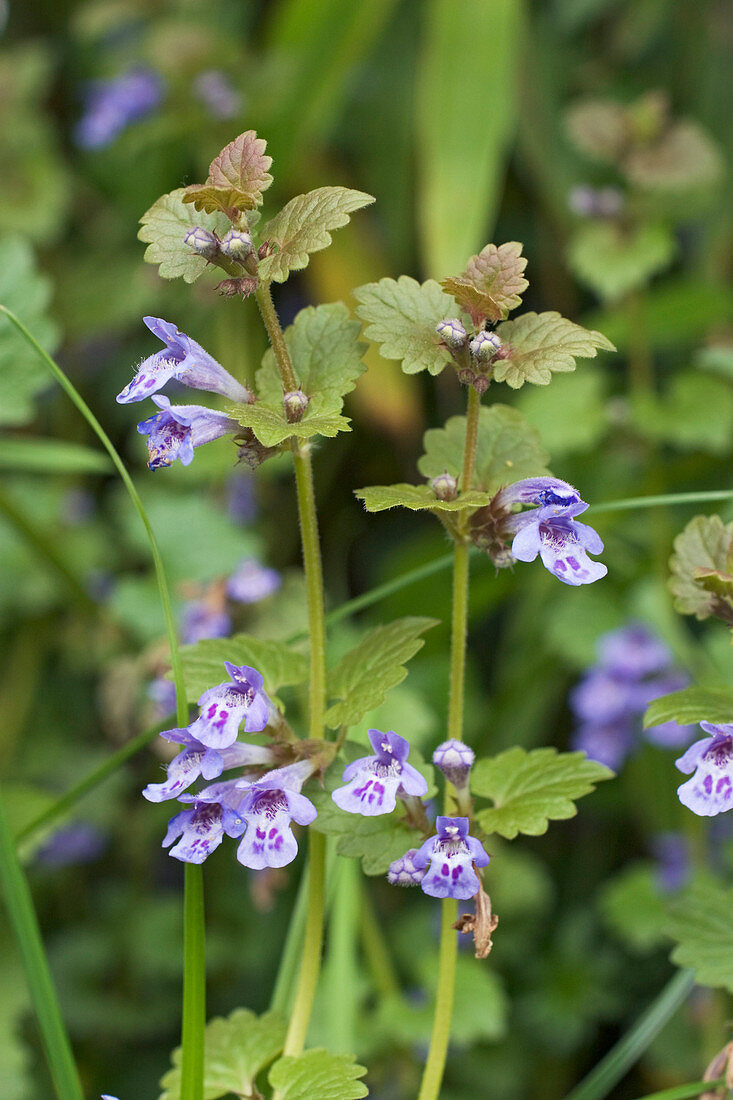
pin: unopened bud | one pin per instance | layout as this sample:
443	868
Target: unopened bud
444	486
202	241
484	346
403	872
455	760
251	450
296	403
452	333
237	245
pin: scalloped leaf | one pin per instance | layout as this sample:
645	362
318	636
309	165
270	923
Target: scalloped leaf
365	674
326	353
539	343
163	228
530	789
700	922
694	704
237	1048
492	284
203	663
418	498
237	177
508	449
271	426
317	1073
613	261
26	292
705	544
303	226
401	315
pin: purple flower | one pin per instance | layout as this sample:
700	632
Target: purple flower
710	791
197	760
176	430
241	498
403	872
607	743
251	582
78	842
202	828
269	806
225	706
561	542
200	620
162	692
373	782
603	698
113	104
547	492
451	856
216	93
182	359
633	651
455	760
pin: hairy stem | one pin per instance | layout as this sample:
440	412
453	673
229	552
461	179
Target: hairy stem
310	966
275	332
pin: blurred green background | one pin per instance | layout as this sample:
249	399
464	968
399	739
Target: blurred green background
455	115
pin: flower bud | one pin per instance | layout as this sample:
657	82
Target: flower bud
484	346
296	403
444	486
251	450
454	758
237	245
452	333
403	872
203	242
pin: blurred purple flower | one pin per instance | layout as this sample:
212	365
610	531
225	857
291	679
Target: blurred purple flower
200	620
162	693
78	842
216	93
112	105
373	782
251	582
608	743
633	651
448	860
242	500
673	861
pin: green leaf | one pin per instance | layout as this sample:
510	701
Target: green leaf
164	227
417	498
695	413
530	789
271	426
462	150
684	157
700	922
26	293
303	226
570	415
318	1074
326	353
237	1048
691	705
203	663
237	177
633	907
401	316
539	343
363	676
613	261
51	456
705	543
492	284
507	450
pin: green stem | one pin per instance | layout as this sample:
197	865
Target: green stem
659	500
312	946
686	1092
293	951
277	339
440	1037
194	980
340	981
629	1049
23	918
375	949
314	586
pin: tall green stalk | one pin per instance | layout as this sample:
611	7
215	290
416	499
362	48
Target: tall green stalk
313	939
194	977
445	994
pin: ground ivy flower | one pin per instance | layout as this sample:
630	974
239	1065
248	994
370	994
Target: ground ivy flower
251	582
562	543
201	829
269	806
484	345
633	651
175	431
182	359
403	872
455	760
710	790
452	332
448	860
224	707
546	492
373	782
111	105
197	760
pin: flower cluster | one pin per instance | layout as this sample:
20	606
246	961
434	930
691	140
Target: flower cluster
112	105
259	810
474	354
595	202
633	668
710	763
176	430
550	529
